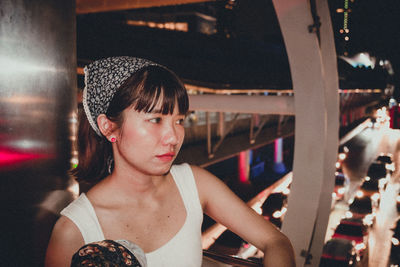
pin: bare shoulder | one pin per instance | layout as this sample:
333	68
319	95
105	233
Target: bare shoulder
203	178
65	240
202	175
208	185
67	229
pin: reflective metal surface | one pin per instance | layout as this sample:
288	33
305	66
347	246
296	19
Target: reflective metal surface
37	100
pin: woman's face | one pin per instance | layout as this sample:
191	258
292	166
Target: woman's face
149	142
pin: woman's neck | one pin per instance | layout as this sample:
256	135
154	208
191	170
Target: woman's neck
134	185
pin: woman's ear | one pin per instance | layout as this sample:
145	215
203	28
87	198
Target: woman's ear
106	126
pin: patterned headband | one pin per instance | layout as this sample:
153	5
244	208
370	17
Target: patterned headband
102	79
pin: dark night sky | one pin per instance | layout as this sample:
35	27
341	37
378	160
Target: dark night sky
375	26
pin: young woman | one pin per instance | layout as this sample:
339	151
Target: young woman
128	141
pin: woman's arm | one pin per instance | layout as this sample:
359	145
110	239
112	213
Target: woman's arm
65	240
221	204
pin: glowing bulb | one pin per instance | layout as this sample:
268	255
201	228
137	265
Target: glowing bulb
375	197
277	214
342	156
286	191
368	219
284	209
258	210
360	246
390	167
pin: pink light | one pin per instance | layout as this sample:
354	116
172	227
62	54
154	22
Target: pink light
10	157
243	167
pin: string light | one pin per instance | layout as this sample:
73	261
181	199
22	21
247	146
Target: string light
345	11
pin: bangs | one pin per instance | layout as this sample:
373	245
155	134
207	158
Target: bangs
152	89
159	91
161	99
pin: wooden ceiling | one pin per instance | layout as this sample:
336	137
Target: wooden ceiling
93	6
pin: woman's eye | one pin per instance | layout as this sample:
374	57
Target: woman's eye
180	121
155	120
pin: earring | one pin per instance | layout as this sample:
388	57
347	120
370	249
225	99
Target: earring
113	139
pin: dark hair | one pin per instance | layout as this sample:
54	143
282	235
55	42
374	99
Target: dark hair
141	91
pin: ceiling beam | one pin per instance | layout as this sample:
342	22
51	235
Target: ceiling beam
94	6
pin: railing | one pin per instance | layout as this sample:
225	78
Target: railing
213	232
212	259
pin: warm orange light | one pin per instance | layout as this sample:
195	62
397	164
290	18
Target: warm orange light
175	26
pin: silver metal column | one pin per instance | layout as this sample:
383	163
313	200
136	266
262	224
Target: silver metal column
37	100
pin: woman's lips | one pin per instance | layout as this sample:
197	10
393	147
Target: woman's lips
166	157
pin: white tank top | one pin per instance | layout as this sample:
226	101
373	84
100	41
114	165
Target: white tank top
182	250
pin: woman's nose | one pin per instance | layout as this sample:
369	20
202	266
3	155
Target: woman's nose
171	135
